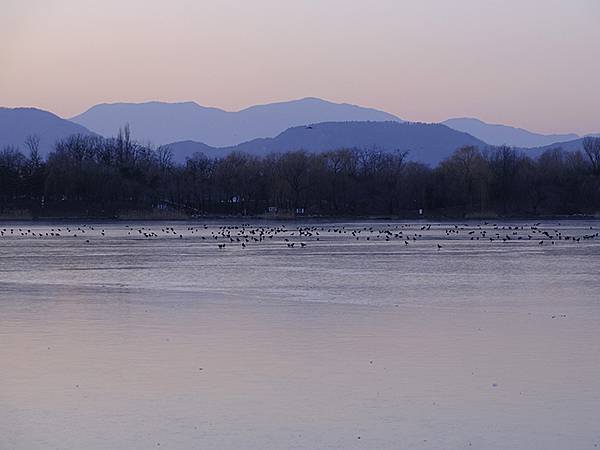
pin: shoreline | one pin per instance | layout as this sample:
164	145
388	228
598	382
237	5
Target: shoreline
307	218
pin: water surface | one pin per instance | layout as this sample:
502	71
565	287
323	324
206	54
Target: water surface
110	338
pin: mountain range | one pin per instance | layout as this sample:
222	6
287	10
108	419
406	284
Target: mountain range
310	123
163	123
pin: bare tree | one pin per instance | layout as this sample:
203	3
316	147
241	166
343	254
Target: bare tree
591	146
32	142
164	156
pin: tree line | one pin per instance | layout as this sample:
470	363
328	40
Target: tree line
100	177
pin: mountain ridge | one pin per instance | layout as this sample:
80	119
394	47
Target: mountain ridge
499	134
17	124
260	128
164	122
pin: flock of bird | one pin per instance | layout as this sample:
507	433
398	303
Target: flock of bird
300	236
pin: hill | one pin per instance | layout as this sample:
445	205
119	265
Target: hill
495	134
162	123
569	146
428	143
16	124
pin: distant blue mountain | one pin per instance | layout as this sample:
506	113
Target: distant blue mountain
264	129
16	124
569	146
505	135
161	123
427	143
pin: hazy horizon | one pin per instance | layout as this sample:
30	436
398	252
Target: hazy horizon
515	63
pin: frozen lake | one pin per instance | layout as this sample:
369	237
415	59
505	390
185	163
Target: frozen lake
370	335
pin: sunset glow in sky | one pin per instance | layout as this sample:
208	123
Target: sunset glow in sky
529	63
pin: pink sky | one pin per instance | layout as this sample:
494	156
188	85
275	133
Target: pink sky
529	63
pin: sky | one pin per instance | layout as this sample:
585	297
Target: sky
529	63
